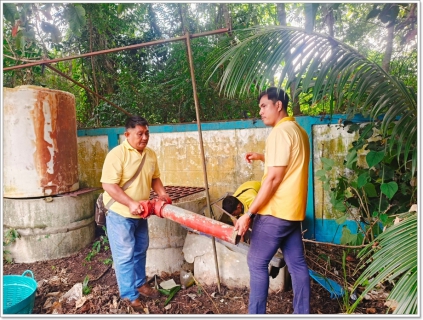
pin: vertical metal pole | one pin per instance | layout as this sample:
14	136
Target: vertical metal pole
197	112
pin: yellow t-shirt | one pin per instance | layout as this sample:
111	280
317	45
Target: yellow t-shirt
288	145
120	165
248	196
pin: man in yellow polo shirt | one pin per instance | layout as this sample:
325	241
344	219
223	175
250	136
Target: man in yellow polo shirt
279	206
126	229
240	202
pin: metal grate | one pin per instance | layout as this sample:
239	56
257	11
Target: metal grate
176	192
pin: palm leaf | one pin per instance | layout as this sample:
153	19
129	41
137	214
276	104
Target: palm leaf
399	242
252	57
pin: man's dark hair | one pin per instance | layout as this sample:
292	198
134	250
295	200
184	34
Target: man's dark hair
134	121
275	95
230	203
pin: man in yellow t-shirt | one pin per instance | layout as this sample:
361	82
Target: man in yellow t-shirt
126	229
279	206
240	202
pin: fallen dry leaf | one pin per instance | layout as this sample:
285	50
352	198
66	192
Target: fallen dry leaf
392	304
371	310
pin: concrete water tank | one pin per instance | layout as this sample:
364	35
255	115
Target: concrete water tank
40	142
50	227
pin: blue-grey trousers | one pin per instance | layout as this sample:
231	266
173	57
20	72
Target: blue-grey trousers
268	234
129	242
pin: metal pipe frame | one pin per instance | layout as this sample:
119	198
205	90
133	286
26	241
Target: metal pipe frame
200	136
134	46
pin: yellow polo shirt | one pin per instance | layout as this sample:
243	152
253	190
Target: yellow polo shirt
120	165
248	196
288	145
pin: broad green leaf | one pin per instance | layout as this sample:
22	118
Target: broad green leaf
352	239
323	178
166	292
353	127
346	235
373	158
77	18
340	206
383	217
351	159
320	173
341	219
172	293
387	172
389	189
9	11
375	146
327	163
363	179
370	190
20	40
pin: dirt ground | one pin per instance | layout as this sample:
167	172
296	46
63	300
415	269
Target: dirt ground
56	277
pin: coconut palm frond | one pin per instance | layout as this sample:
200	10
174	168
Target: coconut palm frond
252	58
399	243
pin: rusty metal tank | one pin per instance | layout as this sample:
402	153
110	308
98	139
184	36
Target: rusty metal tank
39	142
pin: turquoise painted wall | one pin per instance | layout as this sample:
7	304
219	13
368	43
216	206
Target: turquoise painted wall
325	230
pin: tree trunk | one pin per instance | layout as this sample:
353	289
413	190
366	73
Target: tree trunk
92	61
226	16
281	14
294	100
182	16
330	20
388	51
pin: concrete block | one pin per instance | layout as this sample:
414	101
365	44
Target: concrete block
233	268
167	237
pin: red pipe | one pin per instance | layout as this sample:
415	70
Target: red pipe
198	222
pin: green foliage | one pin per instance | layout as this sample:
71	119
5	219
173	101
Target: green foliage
371	191
155	81
75	14
9	237
170	293
332	70
97	246
86	289
392	256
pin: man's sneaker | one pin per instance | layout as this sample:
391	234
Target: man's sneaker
148	292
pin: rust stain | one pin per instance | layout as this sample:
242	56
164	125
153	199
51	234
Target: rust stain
55	158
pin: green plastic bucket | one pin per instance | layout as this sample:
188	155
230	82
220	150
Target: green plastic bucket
19	293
